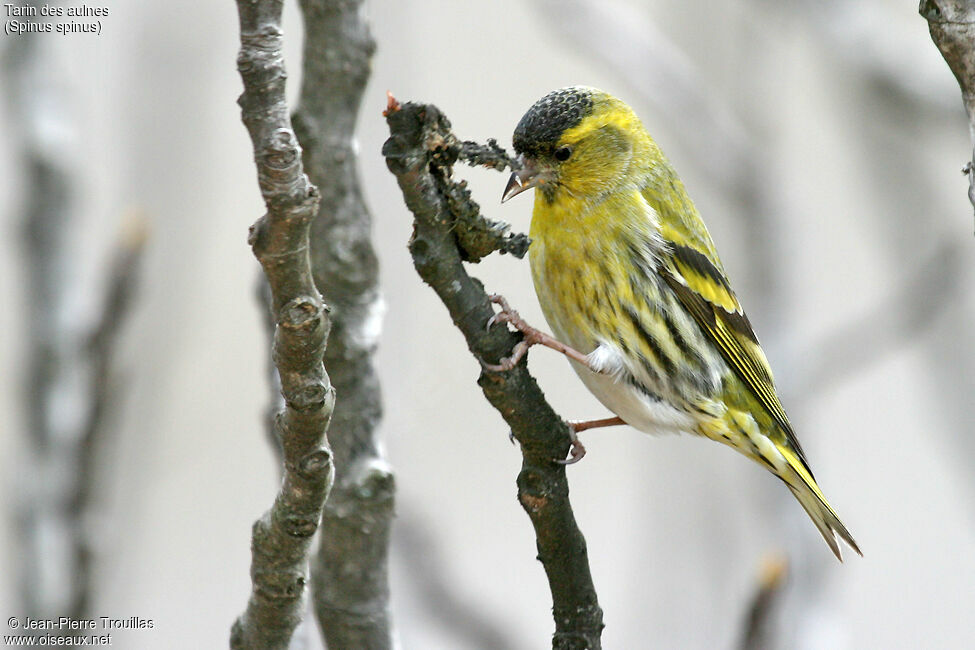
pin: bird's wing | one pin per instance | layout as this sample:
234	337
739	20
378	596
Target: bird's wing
705	292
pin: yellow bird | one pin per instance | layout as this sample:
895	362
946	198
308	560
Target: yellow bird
633	289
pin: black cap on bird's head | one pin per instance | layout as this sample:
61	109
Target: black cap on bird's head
540	128
539	131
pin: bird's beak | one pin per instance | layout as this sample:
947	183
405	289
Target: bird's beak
523	179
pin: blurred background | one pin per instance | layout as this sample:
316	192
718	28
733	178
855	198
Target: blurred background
822	142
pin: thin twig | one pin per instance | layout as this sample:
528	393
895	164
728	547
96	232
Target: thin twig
420	152
282	536
350	583
758	631
123	278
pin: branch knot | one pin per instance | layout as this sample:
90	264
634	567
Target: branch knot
310	397
281	151
279	585
301	313
315	463
300	525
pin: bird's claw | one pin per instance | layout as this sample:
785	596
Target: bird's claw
576	453
507	363
506	315
531	336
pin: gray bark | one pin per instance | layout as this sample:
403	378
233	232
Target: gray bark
350	583
282	537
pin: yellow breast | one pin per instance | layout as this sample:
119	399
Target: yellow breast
579	263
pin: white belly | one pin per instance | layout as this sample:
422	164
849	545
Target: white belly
634	406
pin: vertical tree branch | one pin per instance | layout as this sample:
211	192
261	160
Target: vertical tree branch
48	573
449	229
952	27
282	536
350	589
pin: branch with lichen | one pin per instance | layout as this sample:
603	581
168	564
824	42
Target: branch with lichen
282	536
350	578
448	230
952	27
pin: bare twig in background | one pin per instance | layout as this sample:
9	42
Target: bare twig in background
952	27
69	392
48	578
350	585
122	281
759	629
282	536
420	152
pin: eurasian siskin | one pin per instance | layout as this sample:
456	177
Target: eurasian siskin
628	277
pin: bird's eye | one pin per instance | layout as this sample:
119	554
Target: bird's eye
562	153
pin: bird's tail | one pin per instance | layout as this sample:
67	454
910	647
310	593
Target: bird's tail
800	480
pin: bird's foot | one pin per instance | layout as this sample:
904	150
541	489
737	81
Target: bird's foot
531	336
576	450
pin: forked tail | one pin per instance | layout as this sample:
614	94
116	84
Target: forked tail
803	486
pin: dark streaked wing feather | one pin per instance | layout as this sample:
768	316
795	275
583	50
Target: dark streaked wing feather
706	294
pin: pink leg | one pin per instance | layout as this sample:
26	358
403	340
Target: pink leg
582	425
578	450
